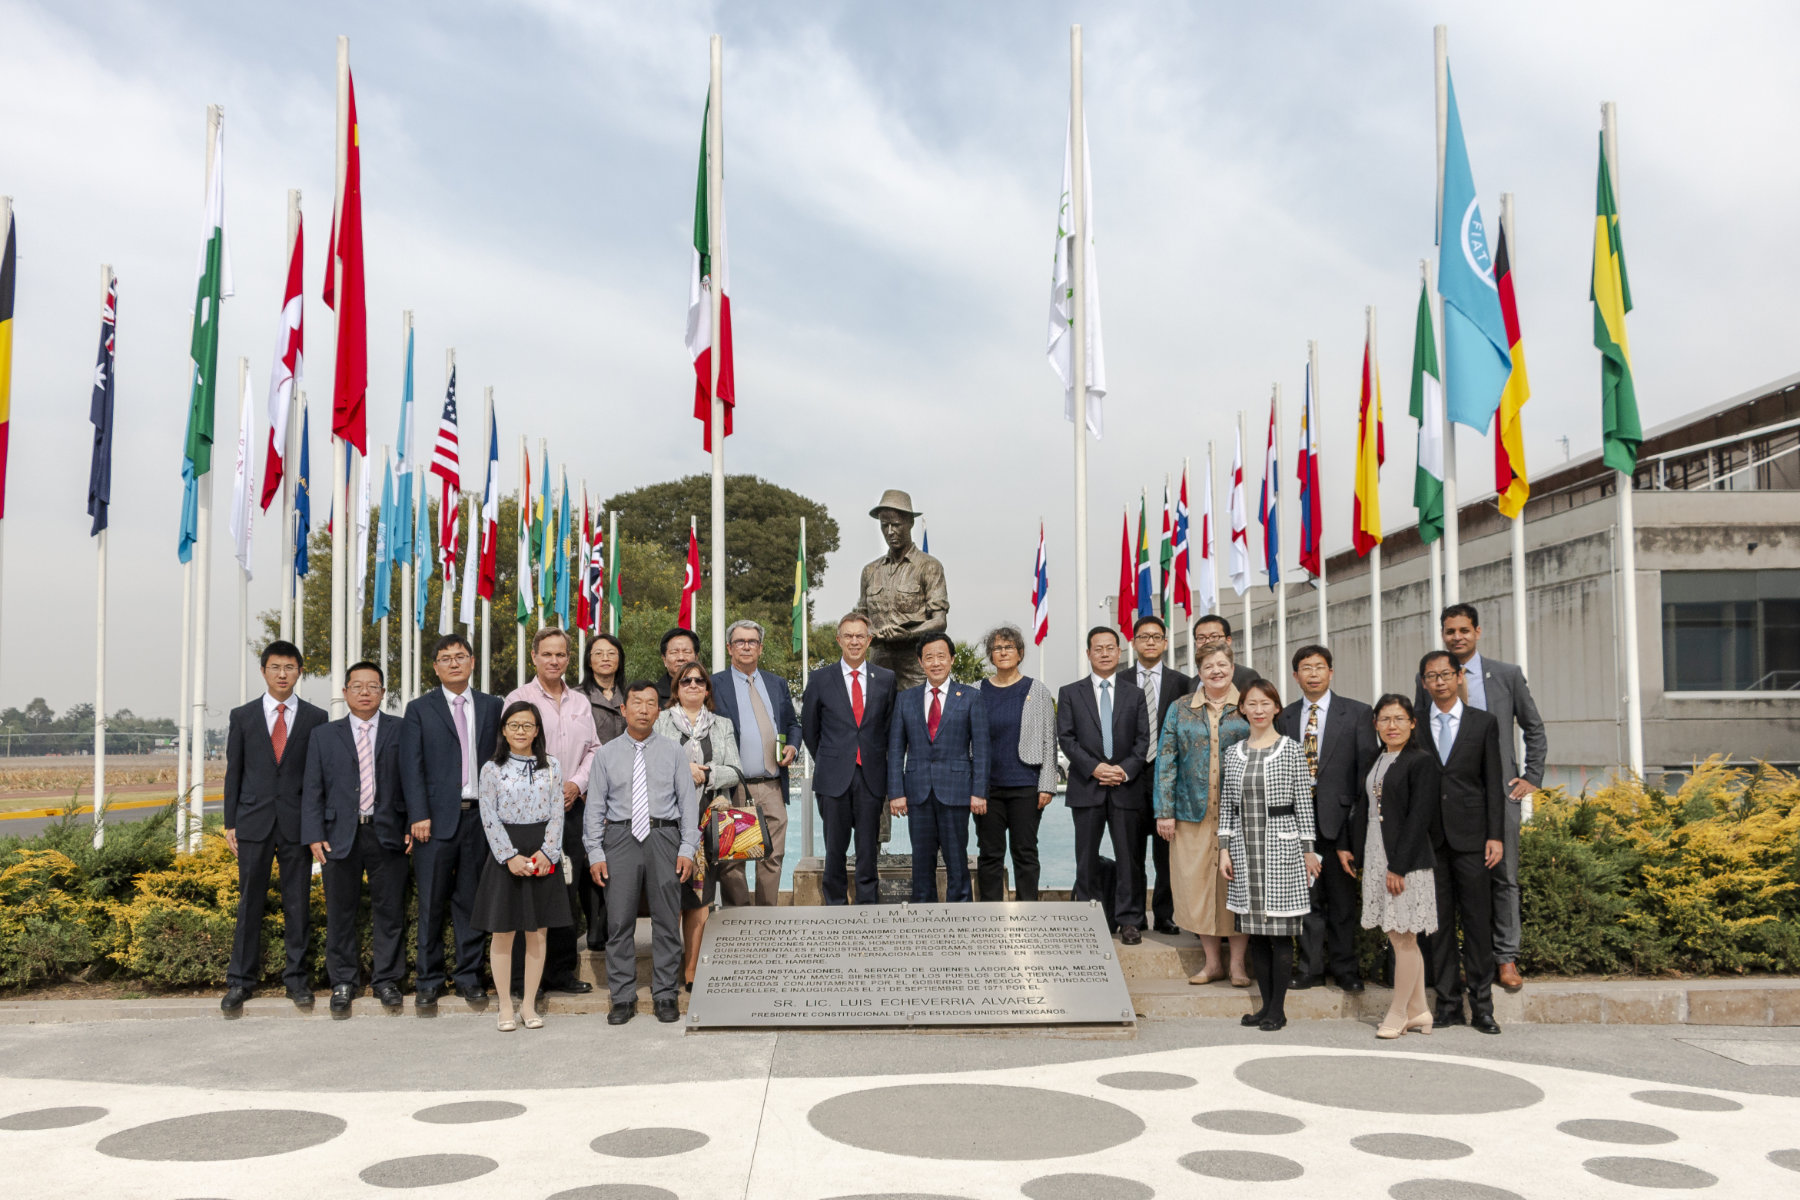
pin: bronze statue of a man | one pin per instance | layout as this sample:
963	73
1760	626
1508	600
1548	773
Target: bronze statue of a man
903	593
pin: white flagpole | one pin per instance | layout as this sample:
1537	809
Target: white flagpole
289	467
296	586
1376	672
487	616
524	568
544	487
1249	620
1452	556
340	472
612	572
1280	585
1520	606
1078	331
1627	483
406	570
715	185
806	808
1192	671
387	463
246	428
202	588
182	710
106	280
418	632
1314	416
1436	559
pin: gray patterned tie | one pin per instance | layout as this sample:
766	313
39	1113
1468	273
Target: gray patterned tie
1152	682
640	796
1106	714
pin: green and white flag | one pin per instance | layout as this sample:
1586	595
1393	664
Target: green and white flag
213	285
1428	410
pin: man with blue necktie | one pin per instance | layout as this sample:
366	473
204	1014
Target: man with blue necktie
937	765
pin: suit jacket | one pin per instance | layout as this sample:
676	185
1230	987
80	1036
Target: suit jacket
953	766
1410	795
829	728
1078	733
781	714
1472	797
431	757
1348	750
1242	677
332	797
262	797
1510	703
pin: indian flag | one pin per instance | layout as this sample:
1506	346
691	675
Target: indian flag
1611	294
1427	409
706	275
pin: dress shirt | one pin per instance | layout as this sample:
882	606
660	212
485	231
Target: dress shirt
1096	681
1324	703
1443	738
864	676
1475	682
568	726
943	700
270	704
359	728
471	756
671	787
519	792
750	747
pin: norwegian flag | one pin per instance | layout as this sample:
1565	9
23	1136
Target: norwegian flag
1183	596
446	465
1040	593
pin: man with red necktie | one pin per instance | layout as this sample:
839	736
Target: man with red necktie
844	718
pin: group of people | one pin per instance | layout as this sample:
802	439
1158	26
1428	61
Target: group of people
560	806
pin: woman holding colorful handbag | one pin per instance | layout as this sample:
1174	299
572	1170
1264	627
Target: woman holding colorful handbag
711	745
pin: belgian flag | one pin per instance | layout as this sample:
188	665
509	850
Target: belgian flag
9	264
1509	434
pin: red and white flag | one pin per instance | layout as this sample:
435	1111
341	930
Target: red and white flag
1240	522
1209	561
446	464
690	585
289	341
1040	593
1183	596
344	254
594	590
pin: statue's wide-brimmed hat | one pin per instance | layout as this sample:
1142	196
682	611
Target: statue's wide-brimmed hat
895	499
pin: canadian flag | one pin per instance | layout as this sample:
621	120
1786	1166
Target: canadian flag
289	339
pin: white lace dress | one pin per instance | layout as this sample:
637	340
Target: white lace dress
1413	910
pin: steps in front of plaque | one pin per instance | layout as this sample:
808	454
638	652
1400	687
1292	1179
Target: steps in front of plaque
895	873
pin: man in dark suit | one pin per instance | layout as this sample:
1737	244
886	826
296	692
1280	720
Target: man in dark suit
844	718
1103	727
1338	736
1162	686
353	817
1466	837
1499	688
265	762
938	770
1214	630
761	709
451	731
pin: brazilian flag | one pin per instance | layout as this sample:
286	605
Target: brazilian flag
1611	294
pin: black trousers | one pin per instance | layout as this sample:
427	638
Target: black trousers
857	812
1465	889
1012	813
561	962
448	871
1162	896
1124	823
1328	934
386	872
255	857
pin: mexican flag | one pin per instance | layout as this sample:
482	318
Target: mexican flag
706	274
1427	407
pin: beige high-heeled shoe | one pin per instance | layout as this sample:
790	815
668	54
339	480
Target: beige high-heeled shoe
1388	1033
1419	1024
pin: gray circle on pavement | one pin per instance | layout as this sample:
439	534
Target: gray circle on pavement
1691	1101
52	1118
223	1136
1649	1172
1449	1189
891	1196
1410	1145
649	1142
1248	1120
616	1191
1624	1133
974	1122
1148	1081
427	1170
1786	1158
1086	1187
1249	1166
1389	1084
469	1112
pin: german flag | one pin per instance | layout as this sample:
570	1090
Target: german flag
9	269
1509	434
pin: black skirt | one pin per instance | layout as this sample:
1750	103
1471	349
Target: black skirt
508	903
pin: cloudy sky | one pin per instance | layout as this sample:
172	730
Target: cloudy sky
1261	175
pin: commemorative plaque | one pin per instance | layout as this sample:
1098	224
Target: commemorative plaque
908	965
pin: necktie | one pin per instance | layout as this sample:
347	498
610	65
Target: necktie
856	704
640	796
1106	718
1443	737
1151	681
278	735
462	733
1310	740
765	727
935	713
365	766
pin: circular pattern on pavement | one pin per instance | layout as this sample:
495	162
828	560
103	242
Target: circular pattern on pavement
975	1122
1248	1120
1148	1081
1691	1101
427	1170
52	1118
1248	1166
1624	1133
1449	1189
1086	1187
1388	1084
469	1112
1410	1145
1649	1172
223	1136
1786	1158
891	1196
616	1191
649	1142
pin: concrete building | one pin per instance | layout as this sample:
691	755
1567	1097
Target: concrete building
1718	585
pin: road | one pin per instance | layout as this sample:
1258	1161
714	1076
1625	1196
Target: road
33	821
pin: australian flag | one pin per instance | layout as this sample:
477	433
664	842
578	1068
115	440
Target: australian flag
100	412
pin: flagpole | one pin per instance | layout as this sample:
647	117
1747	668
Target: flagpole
1249	620
524	567
181	704
806	806
1314	409
1627	483
1279	584
288	467
296	585
1520	607
106	283
1452	532
418	631
202	588
584	552
1375	646
612	574
487	605
339	468
715	233
387	465
1436	548
544	575
1078	331
246	425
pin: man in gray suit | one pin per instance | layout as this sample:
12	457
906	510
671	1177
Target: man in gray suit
1499	688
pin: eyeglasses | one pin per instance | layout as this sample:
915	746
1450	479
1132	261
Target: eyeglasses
1394	719
363	689
452	660
1439	676
745	642
520	727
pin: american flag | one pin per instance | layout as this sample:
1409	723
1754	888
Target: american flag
1040	593
446	464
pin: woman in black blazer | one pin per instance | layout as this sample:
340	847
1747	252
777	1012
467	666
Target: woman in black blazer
1391	828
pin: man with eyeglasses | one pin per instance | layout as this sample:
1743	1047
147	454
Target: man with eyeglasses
761	709
450	731
568	724
1162	686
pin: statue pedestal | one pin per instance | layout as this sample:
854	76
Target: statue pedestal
895	871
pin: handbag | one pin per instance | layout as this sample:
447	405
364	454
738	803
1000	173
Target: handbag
732	834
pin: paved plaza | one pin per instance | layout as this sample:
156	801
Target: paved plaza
176	1109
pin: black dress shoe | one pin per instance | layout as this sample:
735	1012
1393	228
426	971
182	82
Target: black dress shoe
233	1000
389	995
1251	1020
426	997
1272	1024
1301	983
302	996
341	996
1448	1016
669	1010
688	986
473	993
1350	983
620	1012
570	987
1129	935
1169	928
1485	1023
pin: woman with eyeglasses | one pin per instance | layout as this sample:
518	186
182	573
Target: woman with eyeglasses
602	683
1391	826
521	891
711	745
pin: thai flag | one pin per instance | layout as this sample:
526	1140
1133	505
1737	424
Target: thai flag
1183	596
1040	593
1268	512
1309	481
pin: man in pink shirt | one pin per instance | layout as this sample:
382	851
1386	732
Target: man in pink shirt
568	723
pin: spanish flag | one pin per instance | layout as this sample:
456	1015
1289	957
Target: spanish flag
1611	294
9	263
1371	452
1509	434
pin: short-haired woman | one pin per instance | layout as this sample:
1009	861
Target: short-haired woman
521	891
1021	721
711	745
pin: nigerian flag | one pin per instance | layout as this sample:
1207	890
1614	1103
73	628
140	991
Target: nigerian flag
214	285
1428	410
1611	294
800	589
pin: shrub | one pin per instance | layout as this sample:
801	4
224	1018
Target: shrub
47	927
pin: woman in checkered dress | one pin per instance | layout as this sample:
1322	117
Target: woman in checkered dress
1266	847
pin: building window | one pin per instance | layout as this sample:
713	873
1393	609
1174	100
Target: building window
1731	631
